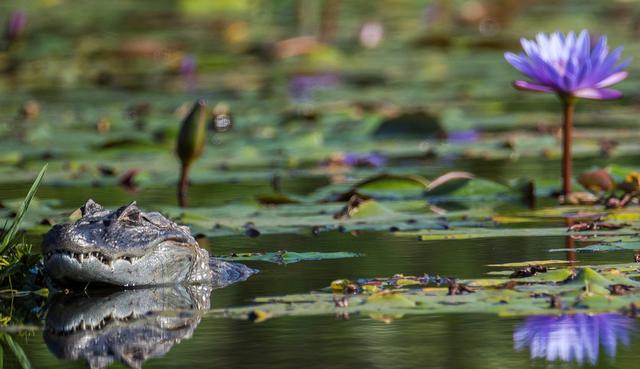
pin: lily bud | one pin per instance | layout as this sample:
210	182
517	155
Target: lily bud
191	139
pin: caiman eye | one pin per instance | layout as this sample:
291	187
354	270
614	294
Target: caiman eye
129	214
131	217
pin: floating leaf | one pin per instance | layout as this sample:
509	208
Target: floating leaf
448	183
276	199
580	289
392	185
528	263
289	257
476	187
557	275
501	219
599	247
588	276
472	233
419	124
597	181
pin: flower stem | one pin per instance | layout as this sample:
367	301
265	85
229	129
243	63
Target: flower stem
183	185
567	128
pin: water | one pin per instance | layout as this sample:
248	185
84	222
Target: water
73	64
441	341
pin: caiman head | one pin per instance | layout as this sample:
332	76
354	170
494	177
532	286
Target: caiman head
124	247
129	326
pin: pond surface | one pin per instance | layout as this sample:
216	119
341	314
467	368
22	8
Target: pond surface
440	341
110	87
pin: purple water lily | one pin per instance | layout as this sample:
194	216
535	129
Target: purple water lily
573	338
571	67
16	25
466	136
350	159
568	65
302	86
188	69
188	65
364	160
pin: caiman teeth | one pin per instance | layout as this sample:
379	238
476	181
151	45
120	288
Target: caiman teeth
81	257
85	326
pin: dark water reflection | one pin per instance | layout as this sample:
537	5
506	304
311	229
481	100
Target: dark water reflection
447	341
441	341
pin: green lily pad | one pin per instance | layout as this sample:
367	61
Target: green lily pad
603	247
472	233
585	290
528	263
288	257
588	276
392	185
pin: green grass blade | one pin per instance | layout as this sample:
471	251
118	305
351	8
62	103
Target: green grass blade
15	225
16	350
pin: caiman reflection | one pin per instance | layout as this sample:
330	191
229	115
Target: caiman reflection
129	326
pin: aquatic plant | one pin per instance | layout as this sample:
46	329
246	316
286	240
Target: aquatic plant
15	26
16	260
7	343
188	69
570	67
573	337
587	290
15	255
302	86
373	160
191	141
8	240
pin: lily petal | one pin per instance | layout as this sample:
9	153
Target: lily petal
598	94
524	85
612	79
567	64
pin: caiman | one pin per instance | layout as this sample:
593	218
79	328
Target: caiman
130	248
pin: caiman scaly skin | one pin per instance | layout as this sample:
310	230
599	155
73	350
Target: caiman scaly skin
128	247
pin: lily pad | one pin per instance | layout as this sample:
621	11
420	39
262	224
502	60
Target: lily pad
527	263
288	257
577	291
392	185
